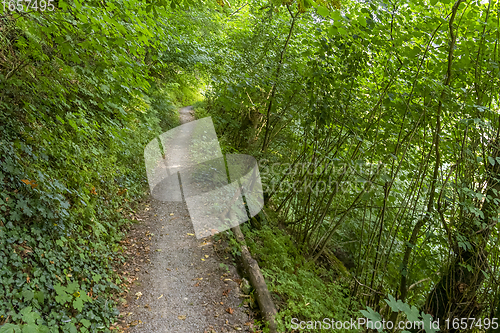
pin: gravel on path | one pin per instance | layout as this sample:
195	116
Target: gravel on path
182	286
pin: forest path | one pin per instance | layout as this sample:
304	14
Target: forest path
182	285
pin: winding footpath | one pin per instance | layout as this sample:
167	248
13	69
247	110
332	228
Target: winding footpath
182	286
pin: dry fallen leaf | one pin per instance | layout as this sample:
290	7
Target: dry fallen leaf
206	256
181	317
197	284
190	234
30	182
138	294
171	214
229	310
160	296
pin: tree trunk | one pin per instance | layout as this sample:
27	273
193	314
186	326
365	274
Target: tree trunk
454	296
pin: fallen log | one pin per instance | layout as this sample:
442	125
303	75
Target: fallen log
262	294
252	270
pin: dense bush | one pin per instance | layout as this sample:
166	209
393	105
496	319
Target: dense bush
80	98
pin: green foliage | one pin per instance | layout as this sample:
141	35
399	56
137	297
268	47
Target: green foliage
184	94
375	127
300	290
58	232
224	267
376	131
411	314
82	93
200	110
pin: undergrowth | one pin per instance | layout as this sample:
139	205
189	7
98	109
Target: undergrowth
66	187
73	126
300	289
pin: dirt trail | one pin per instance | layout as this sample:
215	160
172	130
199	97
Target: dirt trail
182	286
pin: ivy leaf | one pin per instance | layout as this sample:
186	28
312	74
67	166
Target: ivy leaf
28	316
10	328
427	319
62	297
30	328
85	322
72	287
78	304
96	277
40	297
27	295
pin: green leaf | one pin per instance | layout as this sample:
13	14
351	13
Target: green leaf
30	328
72	287
27	295
60	119
336	16
491	160
427	319
72	124
10	328
332	31
392	303
96	277
85	322
62	297
71	328
413	315
362	20
323	11
78	304
40	297
29	317
372	315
